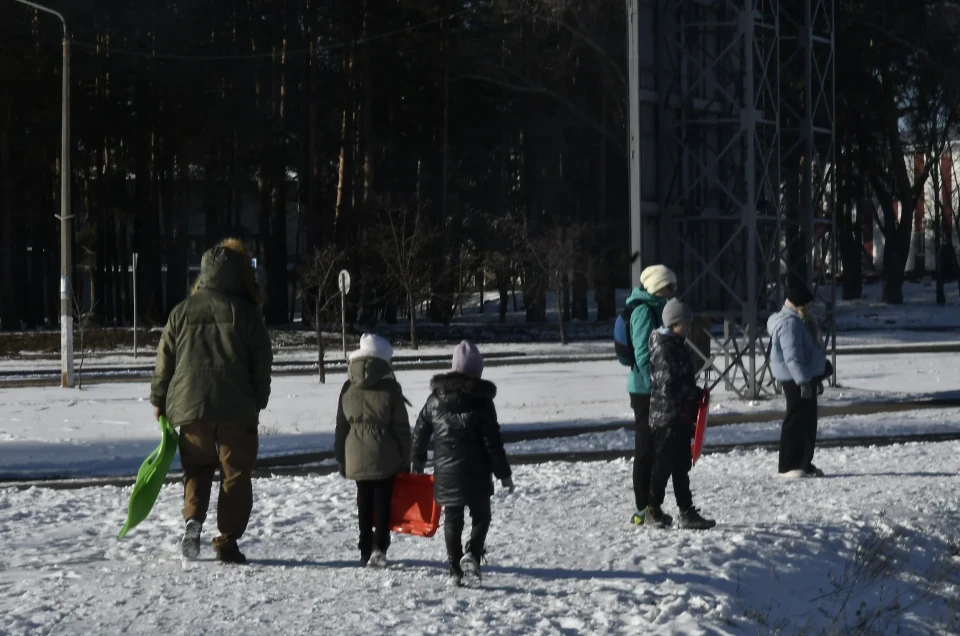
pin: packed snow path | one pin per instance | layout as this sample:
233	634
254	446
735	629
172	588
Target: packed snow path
872	542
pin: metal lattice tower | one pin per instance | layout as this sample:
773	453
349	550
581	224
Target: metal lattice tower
709	162
808	134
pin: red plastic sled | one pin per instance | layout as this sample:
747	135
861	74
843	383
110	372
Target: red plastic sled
700	432
413	509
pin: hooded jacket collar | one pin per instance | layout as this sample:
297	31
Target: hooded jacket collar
365	372
460	383
227	269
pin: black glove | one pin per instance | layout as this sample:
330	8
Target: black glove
820	387
827	370
806	391
417	469
507	482
342	470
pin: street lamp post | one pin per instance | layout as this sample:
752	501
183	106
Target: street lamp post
66	236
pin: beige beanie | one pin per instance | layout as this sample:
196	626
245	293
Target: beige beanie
656	277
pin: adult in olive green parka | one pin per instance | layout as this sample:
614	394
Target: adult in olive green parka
212	380
372	441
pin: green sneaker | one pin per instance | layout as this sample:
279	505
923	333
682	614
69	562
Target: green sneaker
637	518
655	517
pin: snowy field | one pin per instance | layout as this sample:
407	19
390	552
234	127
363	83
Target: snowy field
108	429
869	549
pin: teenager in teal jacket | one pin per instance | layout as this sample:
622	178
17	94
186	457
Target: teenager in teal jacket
658	284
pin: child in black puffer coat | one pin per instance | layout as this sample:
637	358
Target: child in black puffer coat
673	411
468	450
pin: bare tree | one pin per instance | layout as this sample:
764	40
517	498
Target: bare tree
83	319
403	241
558	253
318	279
937	224
954	205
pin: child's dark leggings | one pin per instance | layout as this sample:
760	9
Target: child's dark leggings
672	459
373	502
453	523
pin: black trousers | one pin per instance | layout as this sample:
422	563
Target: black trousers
643	446
672	458
453	522
373	501
798	437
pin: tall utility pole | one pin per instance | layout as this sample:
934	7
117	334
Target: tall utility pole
636	204
66	231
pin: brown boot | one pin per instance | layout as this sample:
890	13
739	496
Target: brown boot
230	553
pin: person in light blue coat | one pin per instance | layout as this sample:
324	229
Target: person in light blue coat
799	364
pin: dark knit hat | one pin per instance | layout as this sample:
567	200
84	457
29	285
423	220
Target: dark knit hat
798	293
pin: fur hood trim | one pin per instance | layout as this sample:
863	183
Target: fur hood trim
461	383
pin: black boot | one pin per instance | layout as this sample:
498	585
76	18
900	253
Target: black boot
690	519
230	553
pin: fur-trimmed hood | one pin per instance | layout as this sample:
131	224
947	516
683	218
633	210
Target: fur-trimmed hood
460	383
227	268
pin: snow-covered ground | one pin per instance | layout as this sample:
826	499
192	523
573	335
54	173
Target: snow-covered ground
869	549
107	429
918	311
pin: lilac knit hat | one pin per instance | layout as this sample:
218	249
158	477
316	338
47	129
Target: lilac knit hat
467	359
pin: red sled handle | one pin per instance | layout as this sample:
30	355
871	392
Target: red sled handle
700	430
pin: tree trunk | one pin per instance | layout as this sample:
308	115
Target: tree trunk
123	263
178	259
9	316
851	246
321	351
937	234
316	229
560	311
345	170
276	251
503	288
850	230
892	293
414	342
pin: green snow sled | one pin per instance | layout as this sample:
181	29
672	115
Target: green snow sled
151	477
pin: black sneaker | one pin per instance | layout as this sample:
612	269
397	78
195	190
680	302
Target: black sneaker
655	517
690	519
813	471
230	553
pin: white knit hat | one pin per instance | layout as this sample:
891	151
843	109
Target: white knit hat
373	346
656	277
